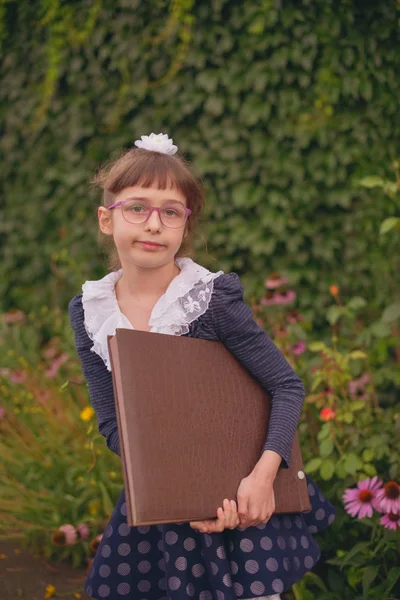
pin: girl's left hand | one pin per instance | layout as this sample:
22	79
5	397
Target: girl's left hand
227	518
256	500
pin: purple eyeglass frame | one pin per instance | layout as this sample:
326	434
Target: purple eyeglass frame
152	208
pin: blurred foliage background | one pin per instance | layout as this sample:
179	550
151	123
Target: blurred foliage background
289	112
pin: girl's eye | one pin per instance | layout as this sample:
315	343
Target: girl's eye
136	207
170	212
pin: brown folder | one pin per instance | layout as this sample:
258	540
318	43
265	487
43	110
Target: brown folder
192	423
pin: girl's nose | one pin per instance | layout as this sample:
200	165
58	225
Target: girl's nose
153	222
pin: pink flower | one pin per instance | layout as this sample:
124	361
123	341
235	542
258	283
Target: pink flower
390	521
55	365
327	414
389	498
299	348
83	531
357	386
361	500
275	281
14	316
70	534
17	376
293	317
279	298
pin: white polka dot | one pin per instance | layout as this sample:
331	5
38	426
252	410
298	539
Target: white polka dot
123	569
304	541
246	545
143	547
198	570
190	589
104	571
281	542
171	537
174	583
331	518
123	588
257	588
296	563
160	545
161	564
144	585
321	496
220	595
311	489
124	549
206	595
160	528
123	509
208	539
234	567
214	568
287	522
266	543
105	551
299	522
143	529
189	544
312	529
103	591
238	589
144	566
272	564
227	580
286	563
308	562
124	529
181	563
89	590
221	552
277	586
166	556
108	531
252	566
292	542
162	584
320	514
261	525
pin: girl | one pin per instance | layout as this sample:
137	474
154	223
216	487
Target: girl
152	201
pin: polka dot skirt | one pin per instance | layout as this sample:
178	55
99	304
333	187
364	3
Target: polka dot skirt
176	562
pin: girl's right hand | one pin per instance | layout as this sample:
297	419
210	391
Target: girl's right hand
227	518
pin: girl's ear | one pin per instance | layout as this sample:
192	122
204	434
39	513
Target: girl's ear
105	222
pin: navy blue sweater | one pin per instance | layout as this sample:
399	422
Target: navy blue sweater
230	321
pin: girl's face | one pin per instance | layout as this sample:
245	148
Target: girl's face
129	238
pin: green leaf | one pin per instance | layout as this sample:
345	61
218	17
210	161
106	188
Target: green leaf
392	577
352	463
316	346
368	455
380	330
369	576
327	469
326	448
358	354
391	313
369	469
348	417
357	405
372	181
334	313
389	224
356	303
313	465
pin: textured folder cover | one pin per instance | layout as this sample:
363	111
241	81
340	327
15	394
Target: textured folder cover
192	423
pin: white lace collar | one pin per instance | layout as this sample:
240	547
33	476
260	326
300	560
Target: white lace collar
185	300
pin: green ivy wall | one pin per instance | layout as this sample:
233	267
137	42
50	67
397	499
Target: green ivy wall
281	106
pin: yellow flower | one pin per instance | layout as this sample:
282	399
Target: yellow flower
87	413
77	595
50	589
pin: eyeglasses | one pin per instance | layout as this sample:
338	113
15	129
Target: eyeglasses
139	211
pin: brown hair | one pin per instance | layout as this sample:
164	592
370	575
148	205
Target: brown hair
144	167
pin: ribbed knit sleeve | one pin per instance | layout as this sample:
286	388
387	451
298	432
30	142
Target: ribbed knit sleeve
98	378
236	327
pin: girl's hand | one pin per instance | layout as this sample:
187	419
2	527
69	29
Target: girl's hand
227	518
256	500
